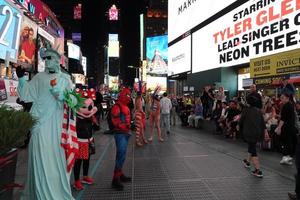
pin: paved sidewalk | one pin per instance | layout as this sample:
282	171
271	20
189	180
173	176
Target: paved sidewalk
190	164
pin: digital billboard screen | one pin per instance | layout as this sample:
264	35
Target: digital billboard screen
180	57
245	34
154	81
184	15
27	47
157	54
73	51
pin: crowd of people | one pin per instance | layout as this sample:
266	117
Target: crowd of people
267	122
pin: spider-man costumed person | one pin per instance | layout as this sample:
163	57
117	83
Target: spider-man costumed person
120	115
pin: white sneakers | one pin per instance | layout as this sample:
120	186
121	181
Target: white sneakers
287	160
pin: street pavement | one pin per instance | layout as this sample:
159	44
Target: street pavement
190	164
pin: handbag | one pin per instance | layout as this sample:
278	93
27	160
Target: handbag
92	148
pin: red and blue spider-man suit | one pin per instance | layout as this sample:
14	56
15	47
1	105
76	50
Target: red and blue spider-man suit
120	115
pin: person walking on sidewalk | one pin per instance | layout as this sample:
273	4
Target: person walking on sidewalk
173	110
286	129
253	128
120	115
166	106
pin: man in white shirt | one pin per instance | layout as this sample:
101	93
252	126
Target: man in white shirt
165	108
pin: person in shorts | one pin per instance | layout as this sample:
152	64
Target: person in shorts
253	128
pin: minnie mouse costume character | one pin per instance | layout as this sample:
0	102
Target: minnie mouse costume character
84	125
120	115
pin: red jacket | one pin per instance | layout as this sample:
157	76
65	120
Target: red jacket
121	119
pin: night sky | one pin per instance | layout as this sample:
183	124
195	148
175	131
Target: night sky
96	27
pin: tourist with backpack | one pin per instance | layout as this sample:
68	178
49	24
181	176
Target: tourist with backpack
120	120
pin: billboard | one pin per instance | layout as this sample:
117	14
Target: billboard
184	15
10	22
73	51
157	54
113	45
113	83
41	12
180	57
77	11
154	81
76	37
79	79
27	47
113	13
246	33
44	40
275	65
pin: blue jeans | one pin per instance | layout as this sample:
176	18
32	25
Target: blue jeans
121	140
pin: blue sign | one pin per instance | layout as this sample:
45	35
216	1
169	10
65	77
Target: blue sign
157	54
76	37
10	24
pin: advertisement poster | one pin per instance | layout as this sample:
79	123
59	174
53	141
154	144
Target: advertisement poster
183	15
157	54
277	64
44	40
73	51
153	82
113	83
180	57
79	79
9	32
27	47
3	95
246	33
11	90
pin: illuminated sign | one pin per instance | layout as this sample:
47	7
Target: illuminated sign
183	15
28	5
76	37
79	79
252	30
10	23
42	12
113	13
157	54
113	45
113	83
73	51
277	64
154	81
179	59
77	11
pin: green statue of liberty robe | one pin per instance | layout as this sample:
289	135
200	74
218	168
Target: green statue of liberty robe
47	177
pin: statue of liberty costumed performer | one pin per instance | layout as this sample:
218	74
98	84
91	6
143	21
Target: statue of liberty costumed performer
48	178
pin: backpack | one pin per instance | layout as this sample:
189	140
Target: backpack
109	118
